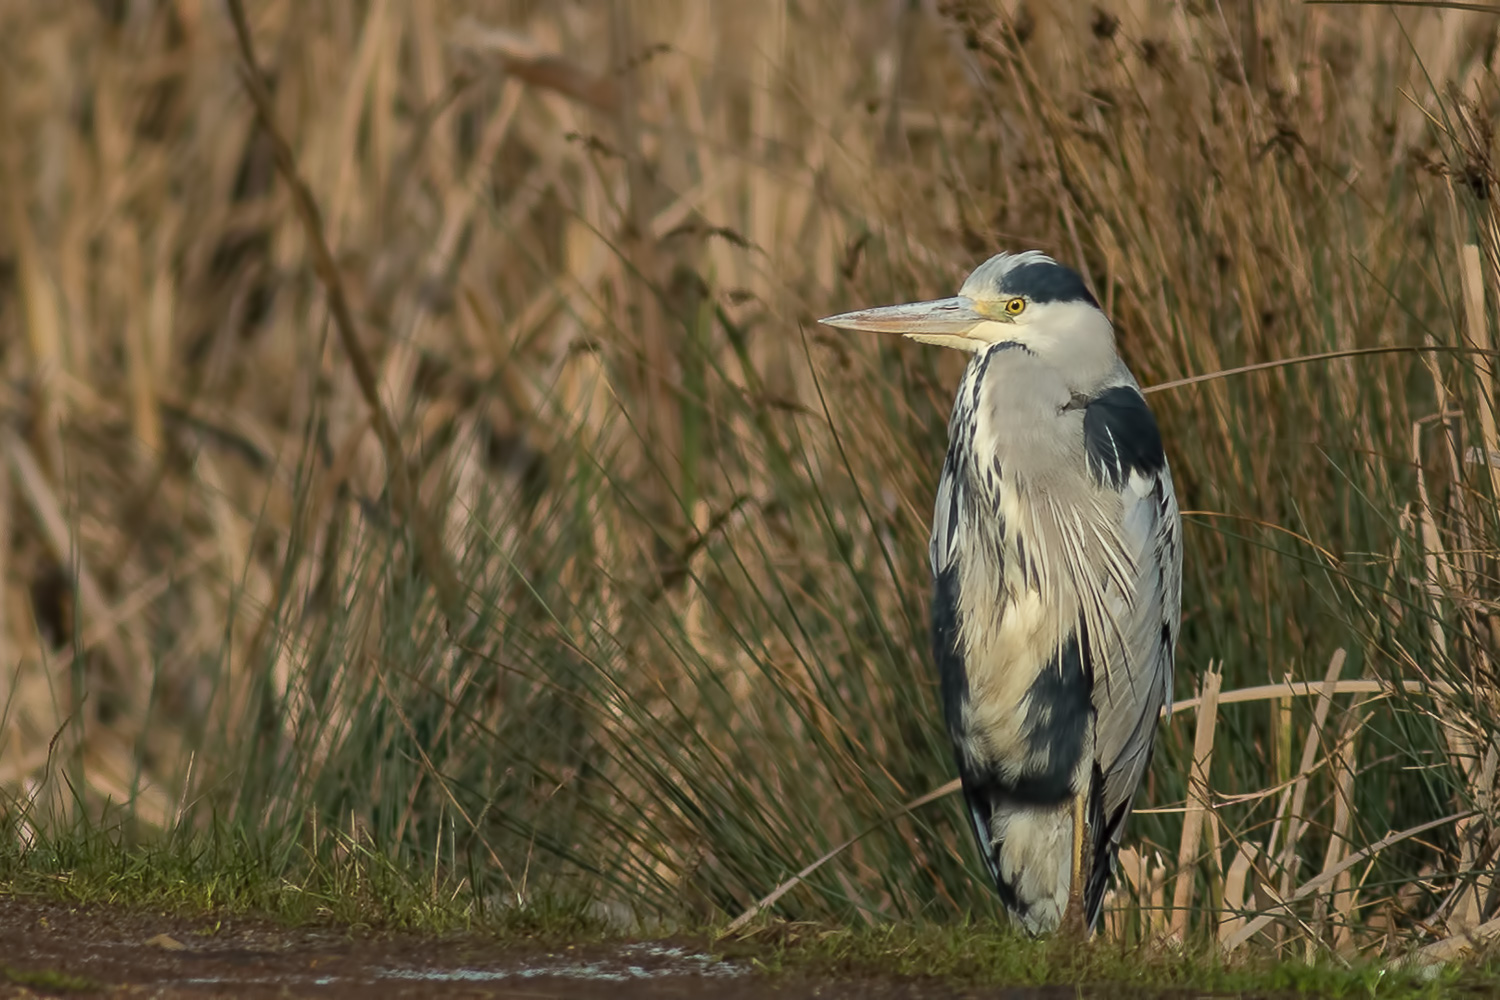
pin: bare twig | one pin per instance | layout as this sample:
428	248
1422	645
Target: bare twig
432	558
781	890
1305	359
1314	884
1478	8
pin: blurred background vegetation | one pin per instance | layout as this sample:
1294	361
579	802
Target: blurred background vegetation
648	631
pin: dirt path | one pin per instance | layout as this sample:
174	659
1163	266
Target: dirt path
50	949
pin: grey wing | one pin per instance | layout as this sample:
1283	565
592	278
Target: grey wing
1129	700
946	516
953	683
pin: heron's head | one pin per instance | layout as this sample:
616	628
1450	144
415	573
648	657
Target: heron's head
1025	298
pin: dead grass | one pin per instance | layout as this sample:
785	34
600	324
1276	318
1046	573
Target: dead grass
581	247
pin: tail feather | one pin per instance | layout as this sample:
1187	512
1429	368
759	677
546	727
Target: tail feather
1100	850
1105	834
1027	848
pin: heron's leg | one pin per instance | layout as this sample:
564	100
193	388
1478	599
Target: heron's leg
1074	918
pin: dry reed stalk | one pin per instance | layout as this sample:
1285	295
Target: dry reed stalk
1432	547
357	107
432	556
1154	901
1442	585
1146	879
1268	900
1290	814
1470	908
43	319
1342	900
1474	332
8	644
1467	908
142	371
1130	866
1471	274
415	306
1199	813
1282	732
1310	689
1241	871
1253	926
1450	948
521	57
1281	737
48	511
1477	845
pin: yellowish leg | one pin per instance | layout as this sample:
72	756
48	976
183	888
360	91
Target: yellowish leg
1074	918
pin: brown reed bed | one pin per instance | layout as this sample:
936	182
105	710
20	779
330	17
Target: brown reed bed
601	576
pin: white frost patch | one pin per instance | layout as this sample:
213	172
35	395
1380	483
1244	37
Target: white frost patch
622	969
283	981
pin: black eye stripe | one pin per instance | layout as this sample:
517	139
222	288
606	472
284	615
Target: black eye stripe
1045	281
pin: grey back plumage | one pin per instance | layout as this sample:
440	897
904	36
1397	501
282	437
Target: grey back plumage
1056	558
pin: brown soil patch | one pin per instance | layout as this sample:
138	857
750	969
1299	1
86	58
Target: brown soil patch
52	949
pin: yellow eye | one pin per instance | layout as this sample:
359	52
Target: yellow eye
1015	306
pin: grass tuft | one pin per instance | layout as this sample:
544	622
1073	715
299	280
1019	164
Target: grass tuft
975	954
49	980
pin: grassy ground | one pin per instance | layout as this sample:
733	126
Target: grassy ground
220	879
601	577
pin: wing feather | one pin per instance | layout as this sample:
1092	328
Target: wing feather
1129	703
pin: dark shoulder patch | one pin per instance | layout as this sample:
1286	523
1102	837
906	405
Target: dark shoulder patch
947	652
1059	707
1121	436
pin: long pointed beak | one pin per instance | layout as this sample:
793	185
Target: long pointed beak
953	317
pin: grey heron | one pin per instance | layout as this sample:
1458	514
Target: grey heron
1057	574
